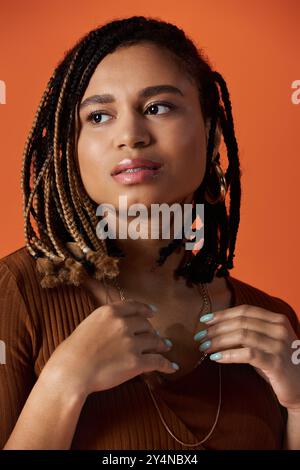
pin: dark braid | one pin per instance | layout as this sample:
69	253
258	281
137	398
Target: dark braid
58	210
201	268
233	172
219	232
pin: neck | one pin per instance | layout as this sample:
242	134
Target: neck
139	271
141	257
142	253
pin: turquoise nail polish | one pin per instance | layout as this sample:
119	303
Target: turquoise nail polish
205	345
175	366
200	335
168	342
206	317
216	356
153	308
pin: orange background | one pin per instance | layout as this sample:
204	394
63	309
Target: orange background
253	44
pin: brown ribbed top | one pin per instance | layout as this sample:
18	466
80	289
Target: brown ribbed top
34	321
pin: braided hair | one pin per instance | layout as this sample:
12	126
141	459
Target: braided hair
57	210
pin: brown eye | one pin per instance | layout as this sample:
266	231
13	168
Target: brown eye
156	106
94	117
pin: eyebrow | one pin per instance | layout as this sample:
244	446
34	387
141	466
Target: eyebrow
144	93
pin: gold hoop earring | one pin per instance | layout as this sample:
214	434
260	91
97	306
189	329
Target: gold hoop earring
216	173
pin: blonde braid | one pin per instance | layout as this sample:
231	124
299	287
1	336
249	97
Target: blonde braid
58	265
106	265
60	250
26	150
26	210
91	212
69	218
76	201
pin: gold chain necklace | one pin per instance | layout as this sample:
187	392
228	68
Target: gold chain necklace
206	304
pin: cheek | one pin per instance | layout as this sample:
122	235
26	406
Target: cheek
91	165
88	152
190	149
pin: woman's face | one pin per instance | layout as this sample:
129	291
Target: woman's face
164	126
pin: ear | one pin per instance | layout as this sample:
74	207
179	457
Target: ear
218	136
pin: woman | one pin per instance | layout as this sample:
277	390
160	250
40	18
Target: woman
137	88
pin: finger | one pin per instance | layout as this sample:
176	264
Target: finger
273	330
244	310
257	358
245	338
157	362
133	307
149	342
139	325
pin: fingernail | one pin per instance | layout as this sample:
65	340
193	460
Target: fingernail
205	345
200	334
157	332
206	317
175	366
216	356
168	342
153	308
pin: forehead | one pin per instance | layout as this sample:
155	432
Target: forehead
135	67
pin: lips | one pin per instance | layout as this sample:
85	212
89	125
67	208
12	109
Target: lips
129	164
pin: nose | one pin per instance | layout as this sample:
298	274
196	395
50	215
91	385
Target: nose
132	131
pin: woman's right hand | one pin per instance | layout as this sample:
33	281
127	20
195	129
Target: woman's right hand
113	344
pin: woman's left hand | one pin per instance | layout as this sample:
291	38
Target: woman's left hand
254	335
